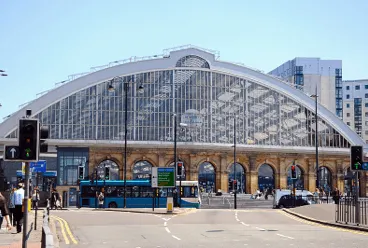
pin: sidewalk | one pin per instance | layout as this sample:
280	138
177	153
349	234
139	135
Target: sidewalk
11	239
323	214
147	210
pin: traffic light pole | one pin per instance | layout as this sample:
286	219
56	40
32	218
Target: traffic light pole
357	210
25	204
235	182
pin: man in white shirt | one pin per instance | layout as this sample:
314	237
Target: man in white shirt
18	203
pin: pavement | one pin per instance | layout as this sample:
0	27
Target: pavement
11	239
146	210
322	214
198	228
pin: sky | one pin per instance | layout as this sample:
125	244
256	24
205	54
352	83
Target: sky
42	42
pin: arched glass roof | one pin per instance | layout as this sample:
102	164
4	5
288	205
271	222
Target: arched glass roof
266	110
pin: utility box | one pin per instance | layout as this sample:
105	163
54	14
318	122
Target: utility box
169	205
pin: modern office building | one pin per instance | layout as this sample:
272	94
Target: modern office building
356	106
311	74
272	123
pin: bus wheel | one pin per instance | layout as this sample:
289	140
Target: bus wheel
112	205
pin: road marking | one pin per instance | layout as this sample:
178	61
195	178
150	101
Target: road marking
165	223
66	240
261	229
244	224
67	229
321	225
175	237
167	230
236	217
284	236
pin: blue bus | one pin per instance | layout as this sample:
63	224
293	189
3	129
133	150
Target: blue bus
139	194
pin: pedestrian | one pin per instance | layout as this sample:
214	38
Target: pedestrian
18	207
336	195
11	206
35	198
101	198
4	212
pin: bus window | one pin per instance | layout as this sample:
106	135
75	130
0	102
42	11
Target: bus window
190	191
146	192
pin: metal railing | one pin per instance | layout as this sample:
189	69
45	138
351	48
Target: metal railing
350	210
47	240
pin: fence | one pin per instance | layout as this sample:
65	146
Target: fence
47	240
352	211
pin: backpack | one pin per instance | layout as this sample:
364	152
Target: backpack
100	198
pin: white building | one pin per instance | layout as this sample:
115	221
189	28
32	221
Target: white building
307	74
356	106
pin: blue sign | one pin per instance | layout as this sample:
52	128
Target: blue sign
50	174
365	166
39	166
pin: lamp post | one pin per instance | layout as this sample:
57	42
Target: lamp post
235	182
316	136
126	88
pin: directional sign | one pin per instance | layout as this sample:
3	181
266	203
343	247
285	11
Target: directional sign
11	153
163	177
365	166
38	167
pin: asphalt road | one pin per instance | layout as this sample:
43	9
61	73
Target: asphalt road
201	228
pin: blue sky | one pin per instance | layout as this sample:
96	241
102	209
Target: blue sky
42	42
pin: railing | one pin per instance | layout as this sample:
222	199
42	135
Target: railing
352	211
47	240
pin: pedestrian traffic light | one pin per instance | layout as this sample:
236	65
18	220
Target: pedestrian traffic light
81	172
44	134
293	172
179	169
28	139
107	173
356	157
235	184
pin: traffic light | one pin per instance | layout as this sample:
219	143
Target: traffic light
107	173
81	172
293	172
356	157
28	139
179	168
44	134
235	184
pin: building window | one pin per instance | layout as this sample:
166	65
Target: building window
348	105
347	114
69	159
366	141
366	123
348	123
357	87
366	86
366	114
366	132
347	87
366	95
366	104
347	96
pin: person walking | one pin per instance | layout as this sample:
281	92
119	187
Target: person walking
35	198
4	212
11	206
18	203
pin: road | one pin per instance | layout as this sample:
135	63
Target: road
200	228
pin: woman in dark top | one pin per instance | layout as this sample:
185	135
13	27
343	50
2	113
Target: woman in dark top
4	210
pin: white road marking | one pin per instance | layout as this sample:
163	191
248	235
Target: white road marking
175	237
166	219
165	223
261	229
237	218
284	236
244	224
167	230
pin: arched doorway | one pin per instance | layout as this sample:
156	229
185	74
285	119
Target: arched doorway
348	181
299	182
114	169
207	177
325	179
184	177
266	177
240	178
142	170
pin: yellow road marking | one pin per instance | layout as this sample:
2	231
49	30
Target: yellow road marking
62	230
321	225
61	220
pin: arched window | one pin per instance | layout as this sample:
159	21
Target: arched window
207	177
142	170
325	179
266	177
184	177
240	178
299	182
114	169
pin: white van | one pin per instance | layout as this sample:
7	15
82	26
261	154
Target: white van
281	192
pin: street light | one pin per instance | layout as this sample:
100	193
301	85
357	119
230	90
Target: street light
316	138
235	182
126	88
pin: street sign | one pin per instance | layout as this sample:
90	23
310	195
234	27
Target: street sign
163	177
365	166
12	153
38	167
